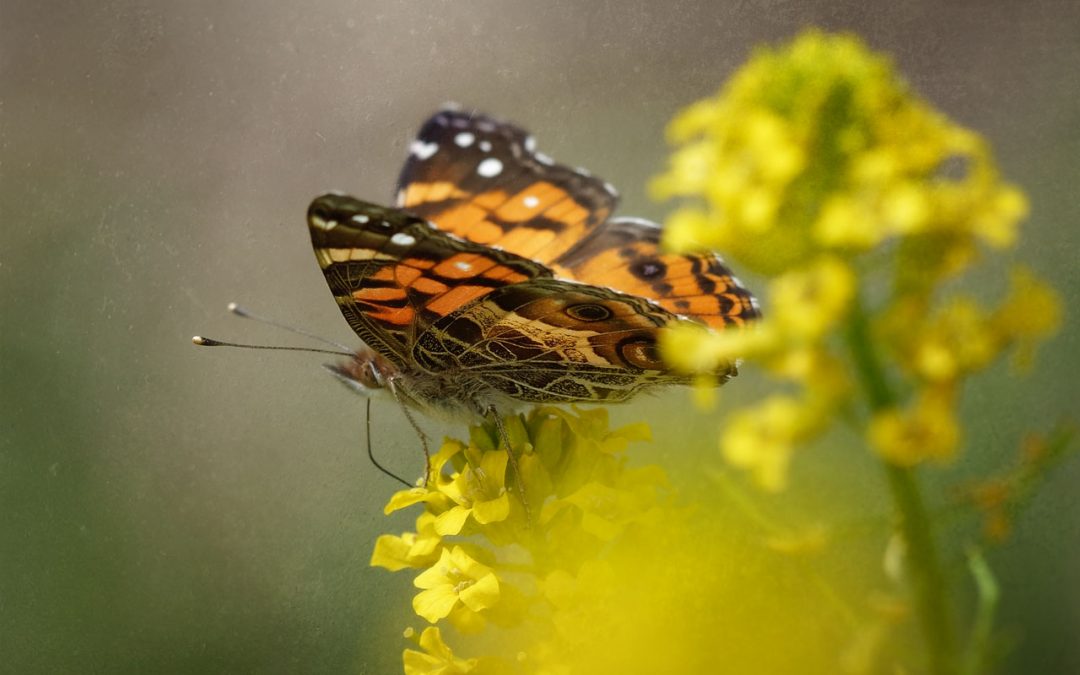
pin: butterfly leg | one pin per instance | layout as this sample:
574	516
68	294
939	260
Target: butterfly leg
371	450
491	410
416	427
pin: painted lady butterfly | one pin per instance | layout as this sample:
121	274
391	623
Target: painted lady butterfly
499	279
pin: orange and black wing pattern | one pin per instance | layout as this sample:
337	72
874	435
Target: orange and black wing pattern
625	254
555	341
393	274
482	179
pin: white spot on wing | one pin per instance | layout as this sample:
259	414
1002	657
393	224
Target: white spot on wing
422	150
360	219
464	139
485	146
583	171
402	239
489	168
611	189
530	143
544	159
323	224
531	202
463	266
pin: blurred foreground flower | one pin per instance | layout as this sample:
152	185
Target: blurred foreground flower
818	168
608	571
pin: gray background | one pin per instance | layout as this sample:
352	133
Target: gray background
168	509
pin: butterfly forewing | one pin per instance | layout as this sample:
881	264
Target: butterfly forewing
481	180
393	274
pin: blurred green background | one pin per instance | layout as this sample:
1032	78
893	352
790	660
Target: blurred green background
169	509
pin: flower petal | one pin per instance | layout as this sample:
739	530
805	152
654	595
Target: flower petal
481	595
393	553
493	510
451	521
436	574
435	603
404	498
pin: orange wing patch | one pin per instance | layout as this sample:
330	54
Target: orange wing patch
625	255
393	274
503	193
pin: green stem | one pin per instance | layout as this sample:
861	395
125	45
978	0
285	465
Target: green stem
979	651
926	576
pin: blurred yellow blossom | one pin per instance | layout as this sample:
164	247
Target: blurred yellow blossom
817	167
1031	313
928	429
806	303
762	438
821	147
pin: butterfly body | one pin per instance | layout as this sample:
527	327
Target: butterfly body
499	280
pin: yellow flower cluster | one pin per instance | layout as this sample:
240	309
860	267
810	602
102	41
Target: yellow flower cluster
486	557
820	147
817	167
609	569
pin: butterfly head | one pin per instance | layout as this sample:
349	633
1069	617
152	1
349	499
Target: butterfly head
365	373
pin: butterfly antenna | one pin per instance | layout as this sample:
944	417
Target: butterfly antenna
243	313
201	341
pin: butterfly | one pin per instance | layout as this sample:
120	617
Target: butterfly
500	278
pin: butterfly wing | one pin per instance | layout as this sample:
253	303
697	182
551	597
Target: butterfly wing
481	179
394	275
625	254
557	341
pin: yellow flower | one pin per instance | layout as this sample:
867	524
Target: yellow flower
842	224
603	510
807	303
762	439
1031	312
411	549
437	658
456	578
428	494
958	340
927	430
821	147
479	492
692	348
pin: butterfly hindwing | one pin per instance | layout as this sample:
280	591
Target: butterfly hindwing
554	340
625	254
482	180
